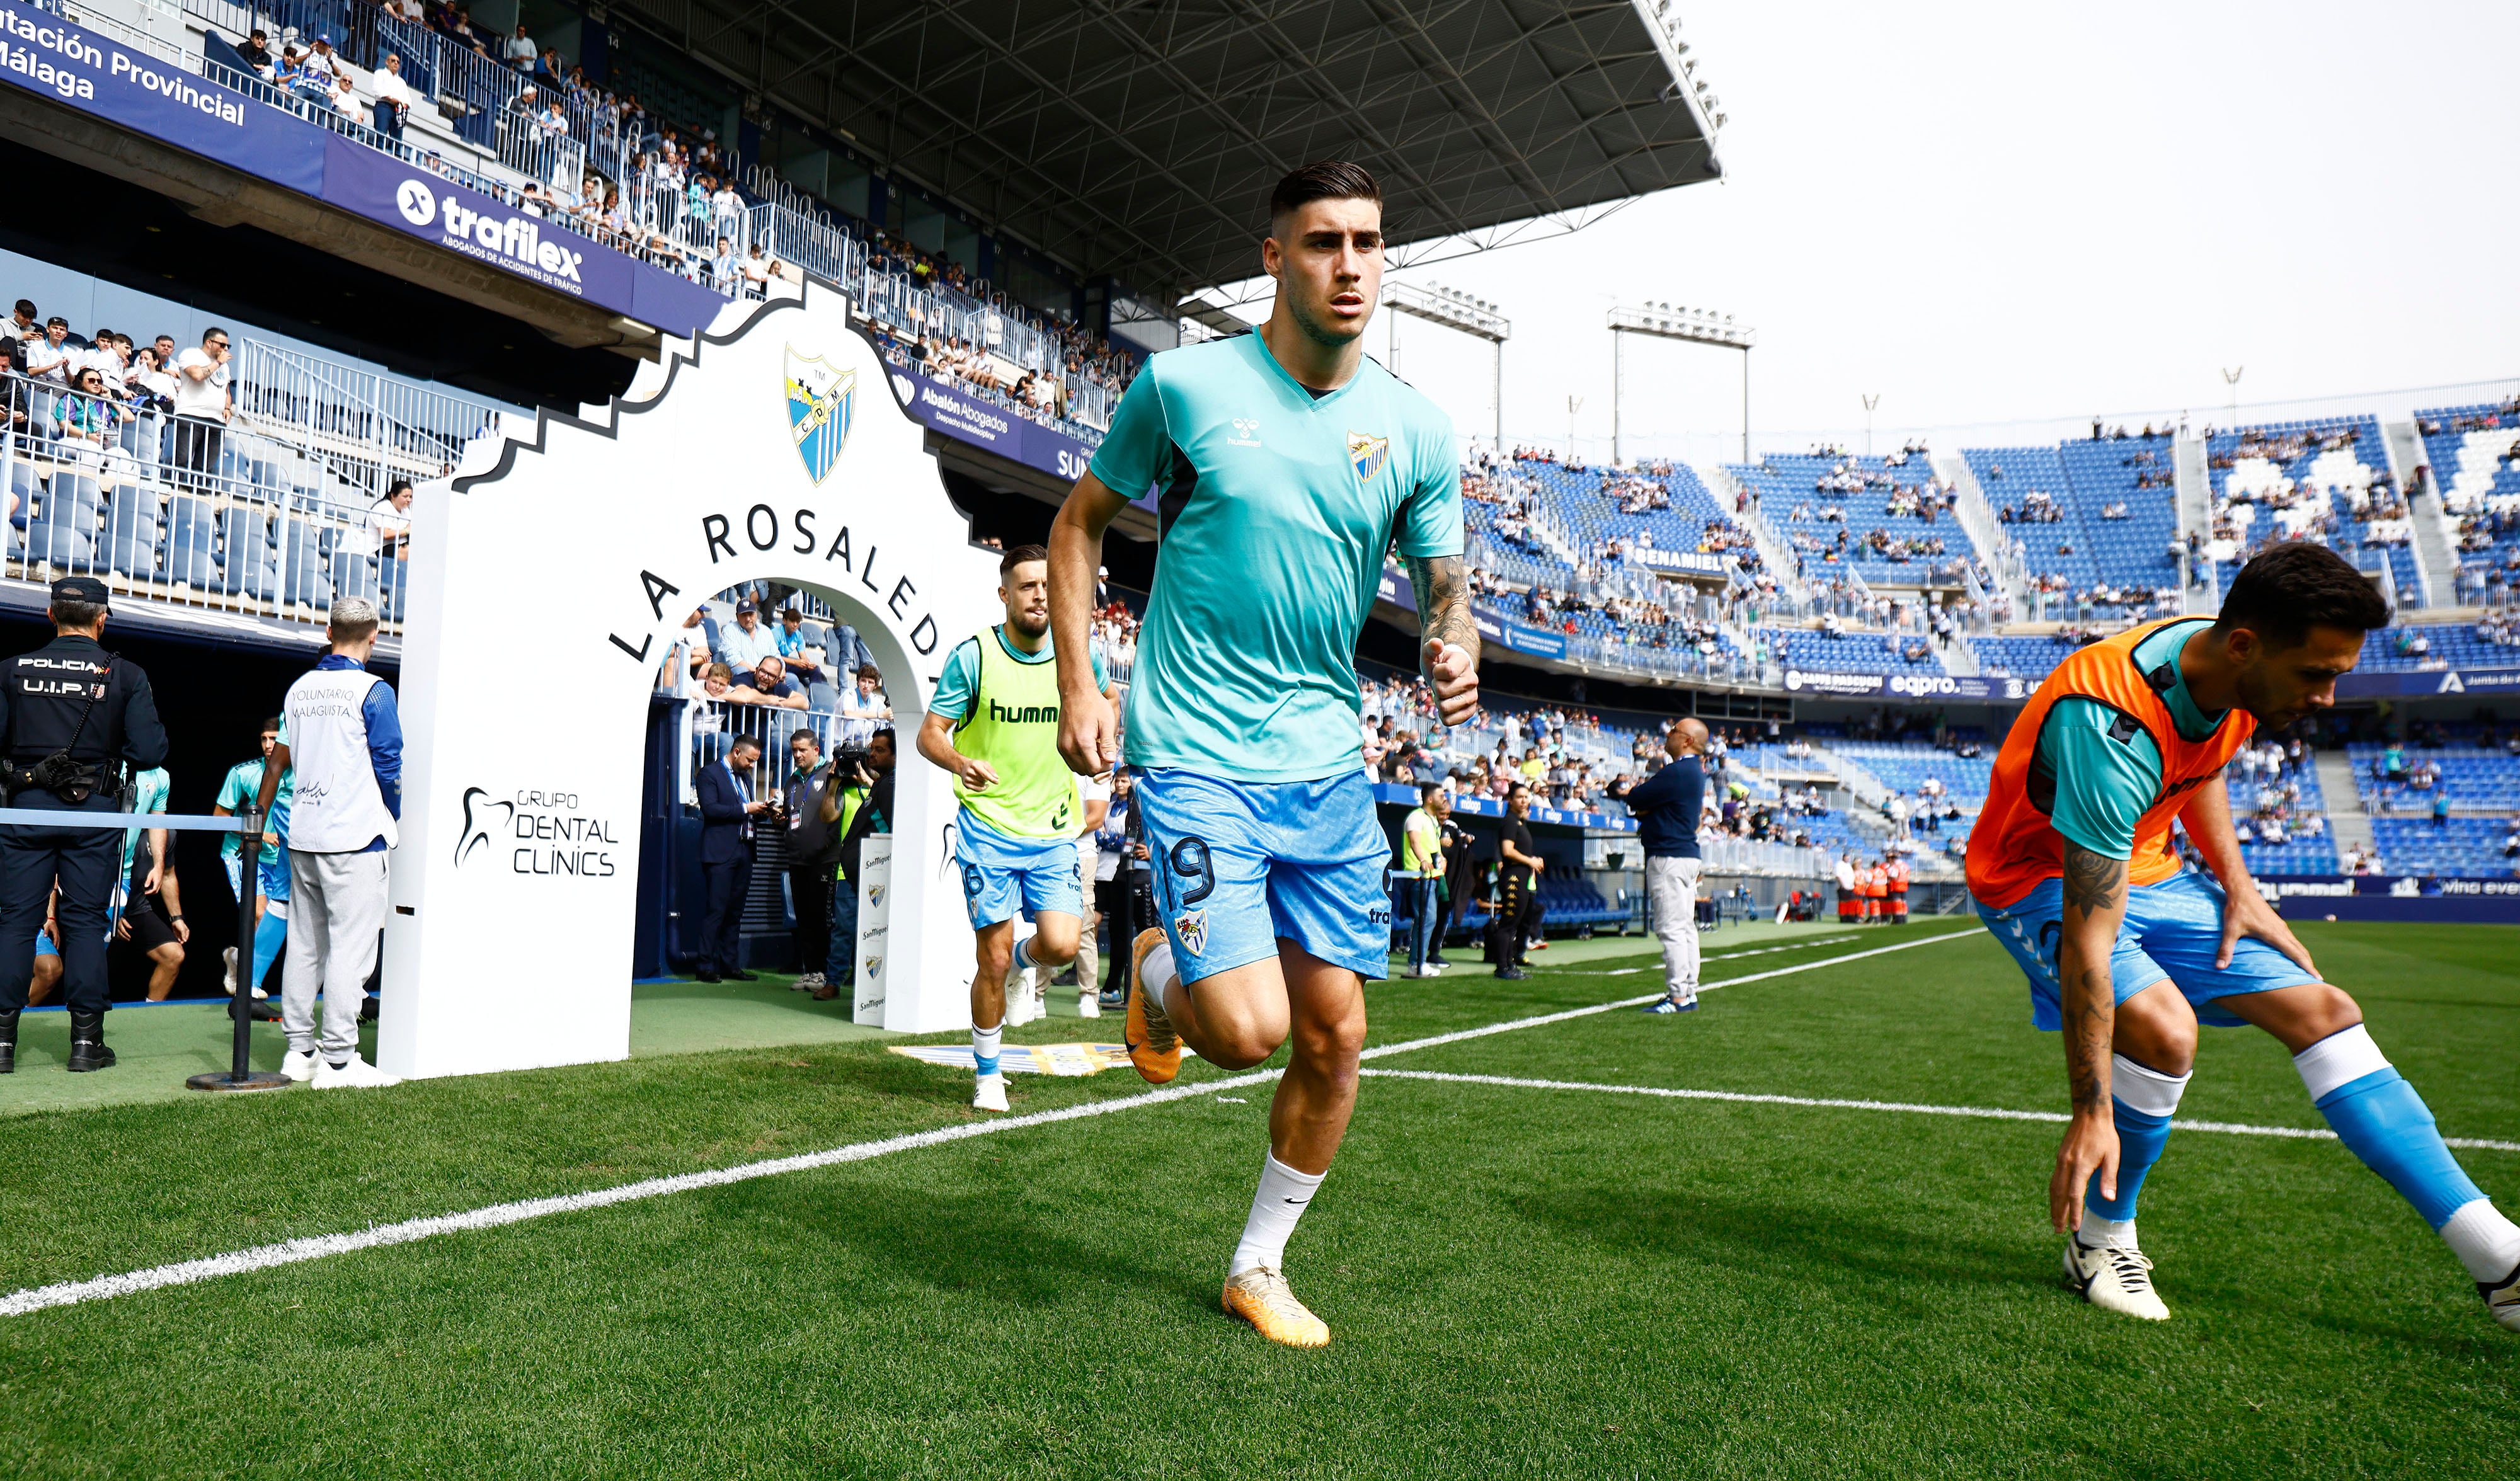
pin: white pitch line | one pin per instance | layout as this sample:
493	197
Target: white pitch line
375	1236
1982	1112
1610	1008
1764	951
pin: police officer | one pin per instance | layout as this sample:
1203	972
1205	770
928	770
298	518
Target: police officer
75	723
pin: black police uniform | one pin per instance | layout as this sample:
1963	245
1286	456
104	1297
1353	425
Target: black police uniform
73	699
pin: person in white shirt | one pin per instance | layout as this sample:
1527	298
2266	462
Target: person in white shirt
395	96
520	50
390	521
201	406
323	58
345	748
863	706
48	358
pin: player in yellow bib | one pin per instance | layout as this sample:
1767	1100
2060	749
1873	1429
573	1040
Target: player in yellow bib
994	723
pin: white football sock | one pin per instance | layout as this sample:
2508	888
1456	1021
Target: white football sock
1156	978
984	1048
2099	1232
2485	1242
1281	1199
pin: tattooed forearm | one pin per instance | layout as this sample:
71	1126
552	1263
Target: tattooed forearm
2091	881
1443	592
2094	887
2090	1031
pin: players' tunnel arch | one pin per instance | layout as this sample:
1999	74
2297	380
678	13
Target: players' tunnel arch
547	590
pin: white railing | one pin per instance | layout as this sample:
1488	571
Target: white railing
1743	856
183	513
367	427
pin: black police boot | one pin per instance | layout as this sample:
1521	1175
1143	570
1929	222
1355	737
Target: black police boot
9	1042
87	1044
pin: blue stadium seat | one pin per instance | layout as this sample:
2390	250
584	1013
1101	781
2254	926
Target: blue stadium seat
304	582
191	542
131	531
253	563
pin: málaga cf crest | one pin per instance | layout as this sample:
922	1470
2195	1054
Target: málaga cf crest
820	400
1367	455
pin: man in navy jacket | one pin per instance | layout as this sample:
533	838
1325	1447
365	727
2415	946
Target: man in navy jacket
1667	806
726	811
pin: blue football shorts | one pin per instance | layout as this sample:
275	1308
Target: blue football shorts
1001	875
270	872
1240	864
2173	931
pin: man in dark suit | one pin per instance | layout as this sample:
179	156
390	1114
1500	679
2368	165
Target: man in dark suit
726	811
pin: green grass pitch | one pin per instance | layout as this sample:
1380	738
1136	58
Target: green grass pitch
1522	1282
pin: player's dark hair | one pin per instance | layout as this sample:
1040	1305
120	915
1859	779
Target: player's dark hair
2285	591
272	725
1321	180
744	743
1426	790
1018	557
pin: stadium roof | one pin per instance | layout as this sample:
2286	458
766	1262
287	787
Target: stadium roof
1138	138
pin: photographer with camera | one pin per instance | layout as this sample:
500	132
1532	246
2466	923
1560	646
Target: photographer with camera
75	724
856	804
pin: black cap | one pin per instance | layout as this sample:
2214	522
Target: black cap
81	589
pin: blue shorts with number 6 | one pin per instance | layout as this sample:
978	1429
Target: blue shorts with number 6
2173	931
1239	865
1001	874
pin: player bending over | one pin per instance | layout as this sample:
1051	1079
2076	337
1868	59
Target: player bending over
2127	949
1285	464
994	723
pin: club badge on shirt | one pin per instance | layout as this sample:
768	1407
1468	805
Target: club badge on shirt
1367	455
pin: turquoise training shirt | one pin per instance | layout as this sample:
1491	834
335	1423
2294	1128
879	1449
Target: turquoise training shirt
1275	507
2103	783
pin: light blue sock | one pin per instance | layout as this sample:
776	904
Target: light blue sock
2380	1119
2141	1100
984	1048
270	934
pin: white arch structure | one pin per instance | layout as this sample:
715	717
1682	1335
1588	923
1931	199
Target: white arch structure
545	591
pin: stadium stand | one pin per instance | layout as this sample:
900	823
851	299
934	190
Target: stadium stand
1887	517
2471	777
2468	454
2325	478
1850	651
2472	848
2033	498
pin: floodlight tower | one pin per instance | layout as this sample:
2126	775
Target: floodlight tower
1697	325
1452	310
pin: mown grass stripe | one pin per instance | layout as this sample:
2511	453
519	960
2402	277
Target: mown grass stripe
1831	1102
409	1230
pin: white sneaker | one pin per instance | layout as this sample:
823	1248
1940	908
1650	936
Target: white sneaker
2113	1279
1430	972
990	1095
1088	1003
298	1067
229	955
2503	1299
358	1074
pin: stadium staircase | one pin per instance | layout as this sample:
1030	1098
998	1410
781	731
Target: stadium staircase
2195	486
2436	532
1774	554
2000	550
2347	822
1959	657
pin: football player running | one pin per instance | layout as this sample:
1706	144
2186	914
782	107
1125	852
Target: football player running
1284	464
